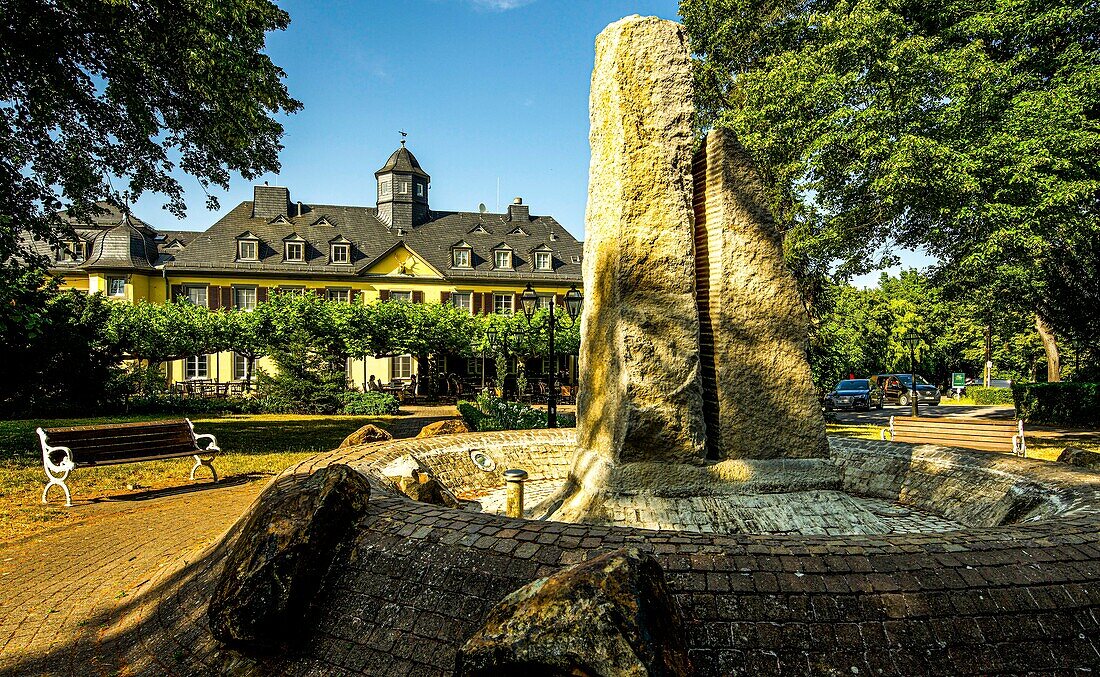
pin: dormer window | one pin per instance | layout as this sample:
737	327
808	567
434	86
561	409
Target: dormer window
502	259
420	189
460	257
341	253
75	251
295	251
543	261
248	249
384	187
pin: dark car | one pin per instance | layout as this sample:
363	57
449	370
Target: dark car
897	389
856	393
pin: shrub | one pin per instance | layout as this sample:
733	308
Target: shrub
369	404
164	403
492	413
983	395
1069	404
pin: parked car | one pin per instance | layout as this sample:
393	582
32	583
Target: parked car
897	389
856	393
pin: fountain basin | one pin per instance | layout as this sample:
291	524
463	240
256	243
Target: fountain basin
1011	586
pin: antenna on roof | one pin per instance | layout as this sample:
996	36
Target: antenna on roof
482	208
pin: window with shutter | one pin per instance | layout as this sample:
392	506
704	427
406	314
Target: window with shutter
418	297
444	297
383	294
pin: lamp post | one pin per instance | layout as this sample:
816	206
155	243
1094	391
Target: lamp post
913	339
573	301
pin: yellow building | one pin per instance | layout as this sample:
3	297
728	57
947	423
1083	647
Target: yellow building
400	248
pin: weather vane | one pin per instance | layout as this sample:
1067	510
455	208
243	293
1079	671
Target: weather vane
403	134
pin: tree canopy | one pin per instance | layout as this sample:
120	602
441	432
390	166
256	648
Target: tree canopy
100	97
967	129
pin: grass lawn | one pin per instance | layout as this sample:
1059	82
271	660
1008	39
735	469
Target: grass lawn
254	446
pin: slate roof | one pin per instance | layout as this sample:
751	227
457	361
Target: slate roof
114	243
215	250
402	161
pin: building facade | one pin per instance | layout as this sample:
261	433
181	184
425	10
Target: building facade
399	249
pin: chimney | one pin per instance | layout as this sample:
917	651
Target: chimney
299	207
270	201
517	211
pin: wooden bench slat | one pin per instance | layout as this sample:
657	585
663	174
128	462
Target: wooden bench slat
146	440
970	422
978	447
117	426
81	457
137	459
137	433
948	435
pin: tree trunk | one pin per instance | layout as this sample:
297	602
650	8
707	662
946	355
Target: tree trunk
1050	345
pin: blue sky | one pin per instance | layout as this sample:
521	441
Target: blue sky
488	90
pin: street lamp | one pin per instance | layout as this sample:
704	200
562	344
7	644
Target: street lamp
913	339
529	299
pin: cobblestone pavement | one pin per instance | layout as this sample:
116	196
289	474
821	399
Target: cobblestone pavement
63	593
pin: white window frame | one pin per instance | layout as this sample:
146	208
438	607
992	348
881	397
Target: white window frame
75	251
237	297
401	367
468	254
189	288
406	296
110	282
338	294
345	250
301	246
255	244
504	303
468	306
421	189
292	289
384	187
547	257
240	367
473	366
197	367
496	259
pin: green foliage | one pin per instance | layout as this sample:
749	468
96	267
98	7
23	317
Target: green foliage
94	90
167	404
1070	404
983	395
369	404
965	130
492	413
863	330
54	355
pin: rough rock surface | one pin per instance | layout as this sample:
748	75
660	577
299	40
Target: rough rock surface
759	399
414	479
1082	458
642	397
365	435
448	427
609	616
281	556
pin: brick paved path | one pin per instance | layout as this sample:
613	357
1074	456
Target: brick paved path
64	594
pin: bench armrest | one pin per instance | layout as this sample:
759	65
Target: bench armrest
882	433
48	451
212	446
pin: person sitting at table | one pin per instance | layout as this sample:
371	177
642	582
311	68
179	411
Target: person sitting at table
413	385
374	384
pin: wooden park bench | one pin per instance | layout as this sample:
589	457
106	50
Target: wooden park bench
970	433
64	449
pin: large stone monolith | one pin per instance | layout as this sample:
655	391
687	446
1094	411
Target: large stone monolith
759	400
641	398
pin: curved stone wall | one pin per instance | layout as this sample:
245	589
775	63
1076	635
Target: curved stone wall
419	579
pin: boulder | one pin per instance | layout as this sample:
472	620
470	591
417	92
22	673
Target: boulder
365	435
280	557
639	354
1082	458
452	426
606	617
759	399
415	480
